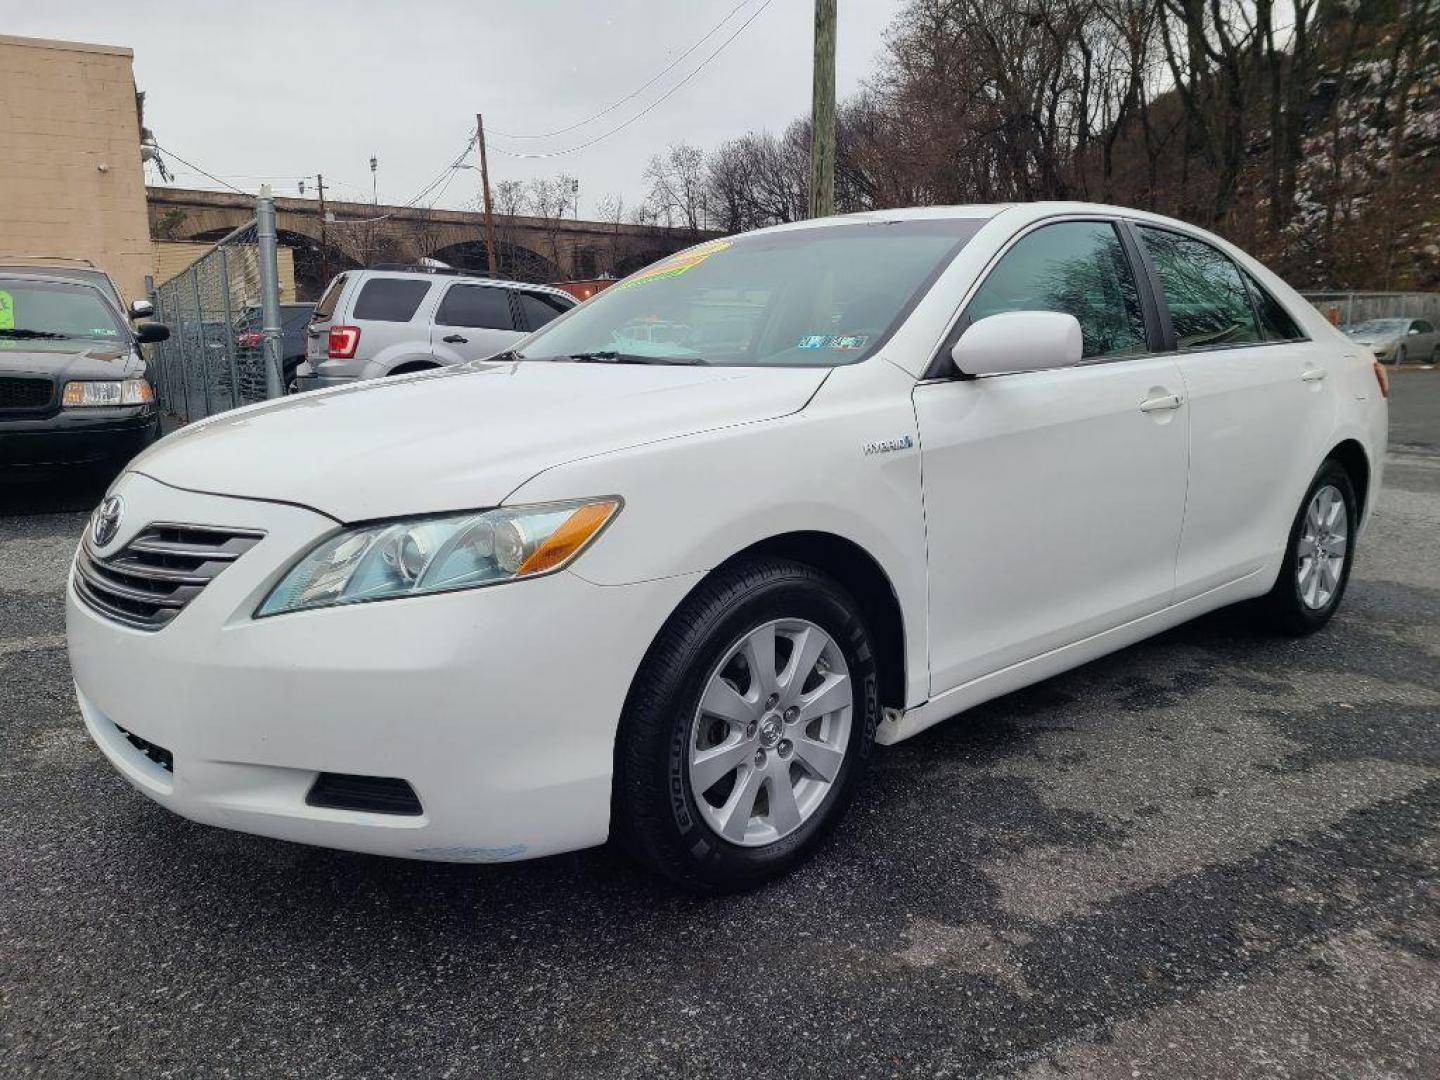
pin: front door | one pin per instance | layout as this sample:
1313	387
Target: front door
1053	499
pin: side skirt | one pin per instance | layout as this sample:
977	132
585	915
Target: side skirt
899	725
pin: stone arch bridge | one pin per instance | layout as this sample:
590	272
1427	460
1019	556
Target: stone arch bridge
360	234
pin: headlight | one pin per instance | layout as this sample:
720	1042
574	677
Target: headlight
439	554
97	393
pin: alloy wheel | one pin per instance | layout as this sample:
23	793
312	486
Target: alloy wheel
769	736
1324	538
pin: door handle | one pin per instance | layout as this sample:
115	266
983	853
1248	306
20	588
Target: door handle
1164	403
1314	374
455	339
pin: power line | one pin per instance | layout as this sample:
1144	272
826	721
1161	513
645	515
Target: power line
649	108
202	172
634	93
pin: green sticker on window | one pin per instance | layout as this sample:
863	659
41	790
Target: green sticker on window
7	311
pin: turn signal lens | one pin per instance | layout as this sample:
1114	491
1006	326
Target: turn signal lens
569	538
96	393
1382	378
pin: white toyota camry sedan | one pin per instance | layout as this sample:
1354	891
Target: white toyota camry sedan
665	572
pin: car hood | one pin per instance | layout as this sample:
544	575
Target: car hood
64	360
1373	339
462	437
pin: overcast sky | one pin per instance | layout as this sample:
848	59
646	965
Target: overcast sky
274	90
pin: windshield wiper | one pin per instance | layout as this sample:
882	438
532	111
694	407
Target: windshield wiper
610	356
28	334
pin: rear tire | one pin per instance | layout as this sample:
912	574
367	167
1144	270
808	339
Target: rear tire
794	729
1318	556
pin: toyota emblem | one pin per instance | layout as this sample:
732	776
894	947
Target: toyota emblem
105	522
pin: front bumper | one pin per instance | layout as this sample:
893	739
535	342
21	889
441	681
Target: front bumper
498	706
78	436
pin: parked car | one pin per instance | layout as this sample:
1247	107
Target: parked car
75	270
612	586
372	323
1398	340
73	386
294	324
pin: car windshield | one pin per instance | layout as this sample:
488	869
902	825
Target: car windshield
98	278
1378	326
821	296
38	311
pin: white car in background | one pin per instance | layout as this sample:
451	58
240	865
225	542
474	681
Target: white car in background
669	588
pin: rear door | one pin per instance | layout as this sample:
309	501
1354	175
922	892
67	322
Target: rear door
472	322
1258	408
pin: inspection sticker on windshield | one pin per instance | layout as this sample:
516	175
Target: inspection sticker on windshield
813	341
849	341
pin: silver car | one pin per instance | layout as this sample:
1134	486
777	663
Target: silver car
372	323
1394	341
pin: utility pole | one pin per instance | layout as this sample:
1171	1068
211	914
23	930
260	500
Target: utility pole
822	113
492	256
324	239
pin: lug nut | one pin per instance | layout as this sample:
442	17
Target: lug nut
771	701
785	747
759	759
750	729
792	714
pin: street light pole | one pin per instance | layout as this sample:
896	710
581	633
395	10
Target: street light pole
822	113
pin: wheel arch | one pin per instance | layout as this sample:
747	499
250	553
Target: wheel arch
1351	456
412	364
861	575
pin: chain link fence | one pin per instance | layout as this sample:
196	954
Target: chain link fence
216	357
1345	308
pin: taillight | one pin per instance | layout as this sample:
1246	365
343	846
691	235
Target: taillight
250	339
1382	378
344	340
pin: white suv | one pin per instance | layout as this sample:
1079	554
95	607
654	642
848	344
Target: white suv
667	569
372	323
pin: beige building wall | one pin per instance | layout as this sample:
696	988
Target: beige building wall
173	256
71	180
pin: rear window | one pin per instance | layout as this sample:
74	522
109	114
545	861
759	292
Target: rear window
326	307
483	306
540	308
389	300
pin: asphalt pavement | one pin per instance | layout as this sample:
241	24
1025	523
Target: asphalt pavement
1211	855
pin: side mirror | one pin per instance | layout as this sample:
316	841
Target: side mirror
147	333
1414	330
141	309
1015	341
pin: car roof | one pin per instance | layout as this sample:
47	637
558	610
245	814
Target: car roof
468	279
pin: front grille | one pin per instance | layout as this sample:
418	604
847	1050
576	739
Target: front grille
158	754
24	394
372	794
150	580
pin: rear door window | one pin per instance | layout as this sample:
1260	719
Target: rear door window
1209	304
1077	268
389	300
1275	321
540	308
483	306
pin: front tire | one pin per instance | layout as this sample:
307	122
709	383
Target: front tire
1317	559
747	728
